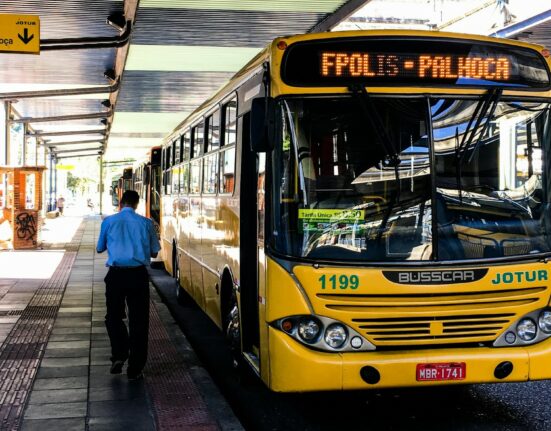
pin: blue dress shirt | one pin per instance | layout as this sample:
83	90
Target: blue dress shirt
129	238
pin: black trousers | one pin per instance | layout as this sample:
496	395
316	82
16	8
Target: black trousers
128	286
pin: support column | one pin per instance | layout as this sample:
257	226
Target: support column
51	206
7	106
25	132
101	184
55	180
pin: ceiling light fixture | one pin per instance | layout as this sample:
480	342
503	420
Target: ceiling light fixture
117	21
110	75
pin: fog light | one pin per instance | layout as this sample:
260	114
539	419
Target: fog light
510	337
526	329
308	330
356	342
335	335
544	321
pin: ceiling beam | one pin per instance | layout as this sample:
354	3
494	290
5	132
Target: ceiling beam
62	92
523	25
80	150
68	133
89	141
105	114
331	20
78	155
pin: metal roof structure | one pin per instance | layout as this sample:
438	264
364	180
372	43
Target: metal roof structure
127	96
129	84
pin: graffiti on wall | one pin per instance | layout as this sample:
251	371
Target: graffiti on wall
25	226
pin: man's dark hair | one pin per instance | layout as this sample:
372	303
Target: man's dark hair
130	198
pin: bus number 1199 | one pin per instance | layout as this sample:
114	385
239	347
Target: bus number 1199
343	281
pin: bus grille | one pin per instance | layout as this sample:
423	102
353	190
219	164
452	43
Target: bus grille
429	319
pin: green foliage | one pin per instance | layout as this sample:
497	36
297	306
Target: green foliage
77	184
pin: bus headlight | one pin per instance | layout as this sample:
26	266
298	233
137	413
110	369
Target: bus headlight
323	333
335	335
544	321
526	329
534	327
308	330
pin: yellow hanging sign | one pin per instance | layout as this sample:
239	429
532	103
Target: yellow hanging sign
20	33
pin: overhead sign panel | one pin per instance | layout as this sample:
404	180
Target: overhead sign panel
20	34
380	61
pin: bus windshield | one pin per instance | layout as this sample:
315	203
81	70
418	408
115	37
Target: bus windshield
471	179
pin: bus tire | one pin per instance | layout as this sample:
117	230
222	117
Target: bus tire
232	330
180	294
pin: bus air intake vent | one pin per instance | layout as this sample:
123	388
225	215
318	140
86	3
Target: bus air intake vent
434	318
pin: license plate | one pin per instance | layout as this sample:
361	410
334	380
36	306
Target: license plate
441	371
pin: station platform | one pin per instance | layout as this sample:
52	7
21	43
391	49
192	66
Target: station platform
54	352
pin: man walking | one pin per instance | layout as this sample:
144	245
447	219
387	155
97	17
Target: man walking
130	241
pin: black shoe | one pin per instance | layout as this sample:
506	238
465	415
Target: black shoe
116	367
135	375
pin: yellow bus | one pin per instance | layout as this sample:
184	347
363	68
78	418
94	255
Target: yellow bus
371	209
146	181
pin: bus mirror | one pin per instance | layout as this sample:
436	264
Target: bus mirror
263	129
127	174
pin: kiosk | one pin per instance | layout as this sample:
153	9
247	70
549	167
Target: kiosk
20	206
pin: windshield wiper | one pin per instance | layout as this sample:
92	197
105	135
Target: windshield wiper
490	115
485	108
392	158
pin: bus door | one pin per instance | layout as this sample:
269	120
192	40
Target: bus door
261	256
249	242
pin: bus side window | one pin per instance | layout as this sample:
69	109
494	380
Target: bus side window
174	159
195	177
227	170
210	171
213	131
198	141
230	122
168	172
176	151
175	180
163	179
184	183
186	146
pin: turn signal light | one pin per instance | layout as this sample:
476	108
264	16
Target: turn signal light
287	325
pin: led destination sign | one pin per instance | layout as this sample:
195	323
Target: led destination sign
355	64
409	61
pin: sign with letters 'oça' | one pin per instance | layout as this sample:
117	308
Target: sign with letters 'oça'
20	34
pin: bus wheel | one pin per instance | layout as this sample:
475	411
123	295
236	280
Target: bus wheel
180	295
233	331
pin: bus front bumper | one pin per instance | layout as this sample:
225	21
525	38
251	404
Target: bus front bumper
294	367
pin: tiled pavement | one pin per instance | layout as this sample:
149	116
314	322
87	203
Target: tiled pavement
72	388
